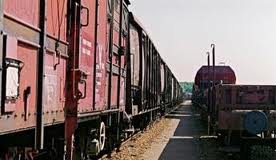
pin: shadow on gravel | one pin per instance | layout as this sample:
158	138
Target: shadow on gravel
190	142
185	143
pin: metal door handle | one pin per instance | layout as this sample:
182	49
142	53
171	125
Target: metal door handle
87	16
84	89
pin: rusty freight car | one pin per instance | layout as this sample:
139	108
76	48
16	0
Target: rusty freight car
75	76
151	86
240	115
246	109
204	80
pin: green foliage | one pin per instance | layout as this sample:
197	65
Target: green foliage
187	87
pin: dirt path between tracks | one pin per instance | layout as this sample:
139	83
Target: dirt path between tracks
174	137
148	145
159	142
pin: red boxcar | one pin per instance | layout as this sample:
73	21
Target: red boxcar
151	86
22	34
65	73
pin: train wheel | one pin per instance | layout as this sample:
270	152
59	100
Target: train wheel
102	136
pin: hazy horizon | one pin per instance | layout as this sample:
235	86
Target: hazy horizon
244	33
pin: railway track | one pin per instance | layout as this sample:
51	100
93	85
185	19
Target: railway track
124	143
158	124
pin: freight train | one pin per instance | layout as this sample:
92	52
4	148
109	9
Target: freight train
77	77
240	115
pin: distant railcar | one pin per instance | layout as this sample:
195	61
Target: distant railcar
151	86
223	74
204	79
235	112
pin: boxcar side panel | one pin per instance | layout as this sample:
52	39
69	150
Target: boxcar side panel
57	18
54	85
101	58
87	40
26	11
21	105
134	56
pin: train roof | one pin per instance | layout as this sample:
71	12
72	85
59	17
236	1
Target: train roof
218	69
225	73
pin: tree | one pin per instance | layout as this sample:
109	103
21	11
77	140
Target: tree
187	87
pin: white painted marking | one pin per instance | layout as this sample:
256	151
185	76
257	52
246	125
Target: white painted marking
99	75
207	137
183	115
194	137
83	50
86	42
100	52
86	51
182	137
97	66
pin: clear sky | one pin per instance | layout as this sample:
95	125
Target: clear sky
244	32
